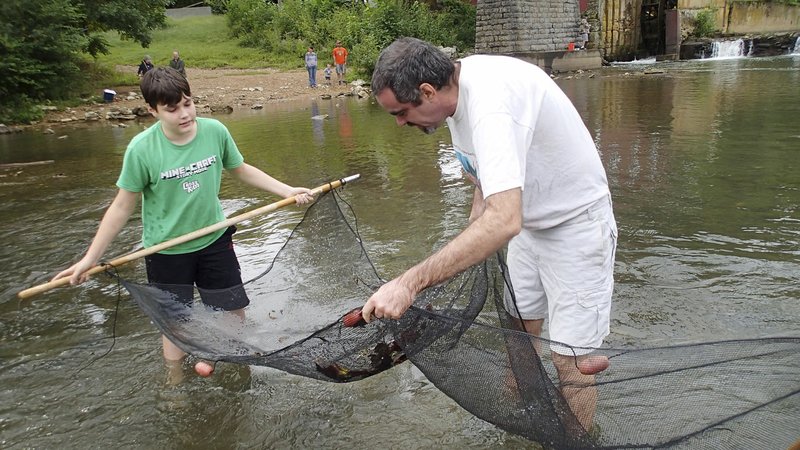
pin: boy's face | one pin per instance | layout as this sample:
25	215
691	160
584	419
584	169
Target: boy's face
177	121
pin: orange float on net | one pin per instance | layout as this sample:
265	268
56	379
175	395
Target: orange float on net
204	369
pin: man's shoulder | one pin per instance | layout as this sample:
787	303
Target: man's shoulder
499	67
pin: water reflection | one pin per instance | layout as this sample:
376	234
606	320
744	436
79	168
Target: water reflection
702	164
317	123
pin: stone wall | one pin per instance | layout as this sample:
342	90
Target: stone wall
529	27
525	26
751	17
620	28
742	17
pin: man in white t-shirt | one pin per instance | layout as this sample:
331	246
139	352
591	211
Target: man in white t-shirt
540	188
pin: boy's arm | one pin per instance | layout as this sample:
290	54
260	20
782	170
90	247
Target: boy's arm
114	219
257	178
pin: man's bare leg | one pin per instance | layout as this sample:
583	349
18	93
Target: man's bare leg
578	389
534	327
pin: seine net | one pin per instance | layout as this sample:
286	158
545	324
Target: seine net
726	395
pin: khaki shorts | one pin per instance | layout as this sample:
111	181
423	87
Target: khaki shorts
566	274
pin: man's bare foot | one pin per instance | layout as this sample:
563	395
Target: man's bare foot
591	365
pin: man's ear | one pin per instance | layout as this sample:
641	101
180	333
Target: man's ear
427	90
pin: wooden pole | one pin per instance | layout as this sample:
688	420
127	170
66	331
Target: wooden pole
30	292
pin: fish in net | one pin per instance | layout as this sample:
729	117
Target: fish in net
739	394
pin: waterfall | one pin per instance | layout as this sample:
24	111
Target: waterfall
728	49
796	49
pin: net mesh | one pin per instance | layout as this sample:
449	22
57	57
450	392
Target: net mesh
726	395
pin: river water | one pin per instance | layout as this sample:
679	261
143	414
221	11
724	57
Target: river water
703	160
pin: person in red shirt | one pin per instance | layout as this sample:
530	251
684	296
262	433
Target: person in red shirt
340	61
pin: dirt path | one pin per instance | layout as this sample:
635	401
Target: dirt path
213	90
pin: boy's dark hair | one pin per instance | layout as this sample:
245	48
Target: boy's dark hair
164	86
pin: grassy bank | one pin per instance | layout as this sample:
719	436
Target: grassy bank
203	42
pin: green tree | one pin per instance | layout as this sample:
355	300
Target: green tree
132	19
44	44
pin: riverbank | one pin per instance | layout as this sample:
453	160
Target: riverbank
214	91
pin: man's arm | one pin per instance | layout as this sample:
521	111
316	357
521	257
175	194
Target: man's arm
501	220
114	219
478	205
258	178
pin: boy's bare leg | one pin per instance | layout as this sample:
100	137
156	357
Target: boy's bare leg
238	313
205	368
171	351
173	359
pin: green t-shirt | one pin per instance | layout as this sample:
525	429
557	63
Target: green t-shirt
179	183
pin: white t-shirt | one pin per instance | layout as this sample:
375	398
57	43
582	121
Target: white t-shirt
515	128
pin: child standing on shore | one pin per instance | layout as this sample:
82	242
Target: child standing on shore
175	167
328	72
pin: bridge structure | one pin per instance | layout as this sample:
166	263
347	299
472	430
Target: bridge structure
541	30
544	32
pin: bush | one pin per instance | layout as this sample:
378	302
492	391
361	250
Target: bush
285	29
705	23
19	109
217	6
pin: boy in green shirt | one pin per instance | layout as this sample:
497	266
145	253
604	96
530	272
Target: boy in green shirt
175	166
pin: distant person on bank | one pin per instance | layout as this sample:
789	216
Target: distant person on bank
177	63
145	66
340	61
584	29
311	67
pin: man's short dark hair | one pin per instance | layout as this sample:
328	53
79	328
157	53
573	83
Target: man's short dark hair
407	63
164	86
